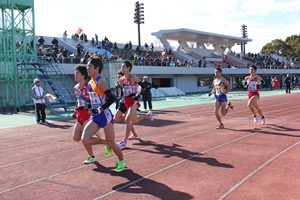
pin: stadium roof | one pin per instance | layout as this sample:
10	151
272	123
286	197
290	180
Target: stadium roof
190	35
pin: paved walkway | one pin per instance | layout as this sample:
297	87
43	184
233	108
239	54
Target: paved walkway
27	118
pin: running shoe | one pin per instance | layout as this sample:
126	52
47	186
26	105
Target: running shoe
263	120
90	160
98	135
230	105
121	144
107	150
255	119
121	166
133	135
220	126
150	115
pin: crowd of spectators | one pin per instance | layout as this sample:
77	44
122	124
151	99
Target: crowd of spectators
161	58
274	62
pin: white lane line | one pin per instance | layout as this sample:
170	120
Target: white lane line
64	172
170	166
255	171
186	136
221	145
35	158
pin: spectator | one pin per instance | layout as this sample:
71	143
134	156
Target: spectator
295	82
41	40
146	47
275	83
147	96
130	45
55	48
41	51
199	63
65	35
39	101
81	38
65	53
138	49
60	57
96	37
54	56
79	47
115	46
143	59
287	82
151	46
54	41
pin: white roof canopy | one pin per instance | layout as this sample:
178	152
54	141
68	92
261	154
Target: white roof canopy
190	35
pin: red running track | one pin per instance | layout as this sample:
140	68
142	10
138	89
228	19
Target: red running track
178	156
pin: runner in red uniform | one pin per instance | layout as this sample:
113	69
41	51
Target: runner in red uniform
252	81
130	87
82	107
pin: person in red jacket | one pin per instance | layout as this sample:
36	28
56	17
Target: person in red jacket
275	83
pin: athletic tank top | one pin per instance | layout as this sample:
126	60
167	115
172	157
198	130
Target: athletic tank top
219	86
97	96
252	84
128	88
82	95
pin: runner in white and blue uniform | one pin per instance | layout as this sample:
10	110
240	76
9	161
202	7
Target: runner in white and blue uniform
220	88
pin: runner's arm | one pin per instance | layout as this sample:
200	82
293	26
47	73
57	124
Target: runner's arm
229	88
111	98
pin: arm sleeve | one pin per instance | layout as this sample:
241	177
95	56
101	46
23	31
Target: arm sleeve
111	99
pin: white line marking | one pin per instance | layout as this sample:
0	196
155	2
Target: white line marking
28	183
170	166
255	171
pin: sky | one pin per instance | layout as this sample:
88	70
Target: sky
266	20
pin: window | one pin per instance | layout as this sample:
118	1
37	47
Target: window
204	81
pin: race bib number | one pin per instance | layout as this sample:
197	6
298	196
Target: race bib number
127	90
95	99
252	86
219	91
81	103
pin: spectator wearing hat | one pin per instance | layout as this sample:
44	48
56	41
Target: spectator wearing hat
147	96
39	101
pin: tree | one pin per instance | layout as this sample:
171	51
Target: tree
289	47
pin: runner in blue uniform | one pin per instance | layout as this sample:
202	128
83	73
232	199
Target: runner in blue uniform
101	116
221	87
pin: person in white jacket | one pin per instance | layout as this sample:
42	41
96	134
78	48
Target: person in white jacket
39	100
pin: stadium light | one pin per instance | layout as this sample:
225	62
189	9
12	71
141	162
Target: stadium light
139	18
244	32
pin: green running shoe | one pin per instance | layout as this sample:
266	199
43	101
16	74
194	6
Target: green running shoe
121	166
98	135
107	150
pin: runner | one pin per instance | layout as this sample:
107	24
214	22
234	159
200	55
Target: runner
101	116
221	87
120	106
252	83
82	107
129	85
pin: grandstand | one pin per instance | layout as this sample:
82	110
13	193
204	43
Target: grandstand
188	67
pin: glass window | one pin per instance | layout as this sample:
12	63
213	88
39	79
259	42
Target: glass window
204	81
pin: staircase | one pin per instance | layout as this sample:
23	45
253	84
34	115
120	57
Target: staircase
58	83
